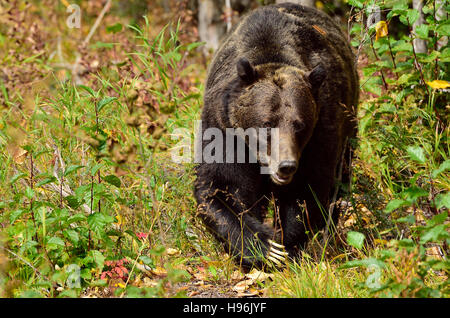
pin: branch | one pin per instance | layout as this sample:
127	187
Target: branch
97	23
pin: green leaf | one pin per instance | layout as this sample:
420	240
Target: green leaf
364	263
413	193
71	169
444	29
29	193
442	200
355	239
422	31
72	236
97	258
435	234
395	204
443	167
17	177
412	15
416	154
54	243
437	219
76	218
95	168
73	202
147	261
89	90
405	78
411	219
105	101
98	222
45	181
402	45
194	45
356	3
112	179
15	215
428	58
114	28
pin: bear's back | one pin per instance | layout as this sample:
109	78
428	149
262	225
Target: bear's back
289	34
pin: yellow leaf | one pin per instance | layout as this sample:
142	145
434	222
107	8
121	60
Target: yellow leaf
172	251
437	84
381	29
119	220
19	155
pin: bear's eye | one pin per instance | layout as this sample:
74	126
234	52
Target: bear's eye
299	125
267	124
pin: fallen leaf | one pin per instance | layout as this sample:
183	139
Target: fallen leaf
237	275
243	285
259	276
173	251
19	155
159	271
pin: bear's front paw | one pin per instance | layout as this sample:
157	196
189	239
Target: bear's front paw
276	254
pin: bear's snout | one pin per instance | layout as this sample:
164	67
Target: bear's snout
287	167
285	172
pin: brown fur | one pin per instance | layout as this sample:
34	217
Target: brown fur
289	67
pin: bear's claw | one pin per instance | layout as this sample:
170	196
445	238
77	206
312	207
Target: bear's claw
276	253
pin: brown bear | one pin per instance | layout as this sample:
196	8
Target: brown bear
287	67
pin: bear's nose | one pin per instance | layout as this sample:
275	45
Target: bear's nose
287	167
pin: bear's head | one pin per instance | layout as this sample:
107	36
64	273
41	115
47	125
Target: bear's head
277	96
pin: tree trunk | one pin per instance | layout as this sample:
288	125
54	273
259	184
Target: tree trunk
210	26
441	15
420	45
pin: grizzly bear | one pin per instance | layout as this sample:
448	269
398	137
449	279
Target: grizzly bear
291	68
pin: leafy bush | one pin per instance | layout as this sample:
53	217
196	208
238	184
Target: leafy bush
403	150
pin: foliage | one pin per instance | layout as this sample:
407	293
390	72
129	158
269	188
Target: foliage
78	161
404	148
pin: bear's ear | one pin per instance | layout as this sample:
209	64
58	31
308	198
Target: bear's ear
316	77
246	71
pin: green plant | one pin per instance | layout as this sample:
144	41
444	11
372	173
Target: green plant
403	136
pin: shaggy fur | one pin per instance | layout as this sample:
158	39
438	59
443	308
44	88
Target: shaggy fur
290	67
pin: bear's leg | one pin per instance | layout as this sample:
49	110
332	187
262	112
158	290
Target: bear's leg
294	225
247	239
304	209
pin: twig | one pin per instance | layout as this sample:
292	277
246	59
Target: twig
97	23
75	68
378	59
24	261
